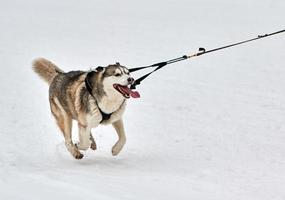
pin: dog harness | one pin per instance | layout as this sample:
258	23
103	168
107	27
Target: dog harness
105	116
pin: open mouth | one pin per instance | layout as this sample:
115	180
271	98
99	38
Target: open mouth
126	91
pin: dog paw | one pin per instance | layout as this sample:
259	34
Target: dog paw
76	153
117	148
93	146
73	149
78	156
115	152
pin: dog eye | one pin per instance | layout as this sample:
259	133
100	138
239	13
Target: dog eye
117	75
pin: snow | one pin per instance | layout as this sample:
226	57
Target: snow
209	128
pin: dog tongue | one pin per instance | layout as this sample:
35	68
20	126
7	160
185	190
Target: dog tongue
135	94
128	91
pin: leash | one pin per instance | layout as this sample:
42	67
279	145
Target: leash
201	51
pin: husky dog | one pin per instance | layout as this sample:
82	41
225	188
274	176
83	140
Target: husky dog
91	98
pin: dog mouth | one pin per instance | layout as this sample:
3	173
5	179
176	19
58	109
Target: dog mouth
126	91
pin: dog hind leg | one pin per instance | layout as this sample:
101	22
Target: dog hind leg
64	122
93	143
119	127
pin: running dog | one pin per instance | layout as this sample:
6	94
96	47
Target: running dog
91	98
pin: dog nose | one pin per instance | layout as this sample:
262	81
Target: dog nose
130	80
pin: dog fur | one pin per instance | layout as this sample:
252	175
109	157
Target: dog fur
70	100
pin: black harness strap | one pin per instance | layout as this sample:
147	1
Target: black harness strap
200	52
105	116
157	65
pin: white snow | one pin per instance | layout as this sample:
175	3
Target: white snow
209	128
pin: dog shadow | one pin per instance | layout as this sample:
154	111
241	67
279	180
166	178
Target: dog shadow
102	159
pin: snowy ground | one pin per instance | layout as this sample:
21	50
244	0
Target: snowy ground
208	128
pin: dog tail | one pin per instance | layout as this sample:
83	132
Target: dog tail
46	69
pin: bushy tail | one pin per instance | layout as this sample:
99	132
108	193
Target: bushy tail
46	69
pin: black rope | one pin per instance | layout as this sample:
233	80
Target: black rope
157	65
200	52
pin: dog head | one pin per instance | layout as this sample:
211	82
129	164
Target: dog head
113	80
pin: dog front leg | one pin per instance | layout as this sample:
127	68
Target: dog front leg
85	138
119	127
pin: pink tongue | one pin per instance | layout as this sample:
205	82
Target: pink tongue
133	94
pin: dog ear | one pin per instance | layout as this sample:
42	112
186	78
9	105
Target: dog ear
118	64
89	82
